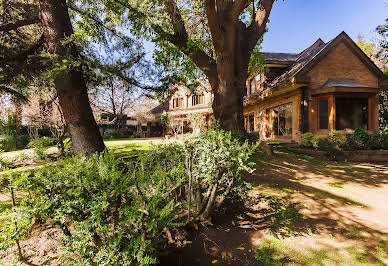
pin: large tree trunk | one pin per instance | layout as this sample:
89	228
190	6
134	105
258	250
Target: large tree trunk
70	84
230	80
228	101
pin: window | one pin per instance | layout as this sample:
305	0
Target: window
280	120
177	102
249	123
197	99
324	114
351	113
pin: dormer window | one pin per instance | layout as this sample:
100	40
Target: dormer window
197	99
177	102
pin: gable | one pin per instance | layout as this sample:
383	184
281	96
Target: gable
342	62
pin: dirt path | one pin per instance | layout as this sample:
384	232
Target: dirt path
345	210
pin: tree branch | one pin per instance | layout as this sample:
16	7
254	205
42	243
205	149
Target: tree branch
18	24
213	23
238	7
256	29
180	39
23	55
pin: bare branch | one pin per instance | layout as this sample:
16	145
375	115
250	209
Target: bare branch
18	24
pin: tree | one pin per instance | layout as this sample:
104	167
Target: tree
52	30
383	31
70	84
112	97
43	110
218	37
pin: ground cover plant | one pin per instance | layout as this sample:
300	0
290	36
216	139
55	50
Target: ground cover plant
336	142
117	211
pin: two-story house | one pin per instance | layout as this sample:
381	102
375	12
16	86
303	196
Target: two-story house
328	86
183	102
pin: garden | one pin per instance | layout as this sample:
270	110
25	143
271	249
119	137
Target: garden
203	199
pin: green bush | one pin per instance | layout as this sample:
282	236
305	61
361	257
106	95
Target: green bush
42	142
114	212
7	143
22	141
307	139
68	147
384	139
336	138
9	126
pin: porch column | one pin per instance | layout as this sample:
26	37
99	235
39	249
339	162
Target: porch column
331	103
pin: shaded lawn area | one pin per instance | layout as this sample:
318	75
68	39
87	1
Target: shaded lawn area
121	146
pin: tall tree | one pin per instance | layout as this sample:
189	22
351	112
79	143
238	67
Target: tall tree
219	37
70	84
54	36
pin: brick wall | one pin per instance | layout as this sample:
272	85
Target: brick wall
341	62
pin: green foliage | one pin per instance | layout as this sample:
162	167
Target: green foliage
164	119
117	211
42	142
265	255
68	147
307	139
15	225
336	142
196	120
9	126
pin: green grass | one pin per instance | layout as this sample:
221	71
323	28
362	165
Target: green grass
294	251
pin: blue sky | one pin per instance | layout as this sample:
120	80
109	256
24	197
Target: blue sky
296	24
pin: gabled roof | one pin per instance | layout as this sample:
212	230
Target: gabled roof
308	58
352	45
279	57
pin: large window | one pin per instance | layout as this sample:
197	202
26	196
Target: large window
351	113
280	119
324	114
177	102
197	99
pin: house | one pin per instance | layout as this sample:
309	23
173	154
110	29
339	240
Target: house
328	86
183	102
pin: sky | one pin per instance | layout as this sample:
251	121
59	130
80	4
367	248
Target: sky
296	24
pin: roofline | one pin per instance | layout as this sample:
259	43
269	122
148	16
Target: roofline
352	45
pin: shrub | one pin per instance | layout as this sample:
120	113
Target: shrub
336	138
375	141
214	161
117	212
384	139
42	142
68	147
7	143
307	139
114	212
15	225
22	141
